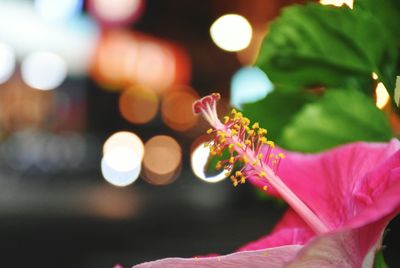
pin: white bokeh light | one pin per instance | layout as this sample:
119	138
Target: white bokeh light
43	70
120	166
124	139
7	62
231	32
58	11
198	161
116	10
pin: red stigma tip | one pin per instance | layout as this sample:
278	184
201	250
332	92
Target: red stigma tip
201	104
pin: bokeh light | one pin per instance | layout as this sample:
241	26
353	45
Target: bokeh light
231	32
58	11
138	104
162	160
116	11
382	96
124	139
337	3
120	166
7	62
22	107
198	161
249	84
124	58
43	70
176	108
75	41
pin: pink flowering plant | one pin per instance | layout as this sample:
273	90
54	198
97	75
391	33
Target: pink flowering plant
342	185
340	200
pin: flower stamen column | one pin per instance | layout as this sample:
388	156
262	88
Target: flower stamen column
244	144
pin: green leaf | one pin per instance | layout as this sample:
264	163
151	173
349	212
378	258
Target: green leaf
379	260
341	116
276	110
316	45
386	11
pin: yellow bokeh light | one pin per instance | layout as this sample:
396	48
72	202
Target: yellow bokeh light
231	32
124	139
382	96
138	104
120	166
162	160
176	108
337	3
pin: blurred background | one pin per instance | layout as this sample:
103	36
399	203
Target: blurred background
101	159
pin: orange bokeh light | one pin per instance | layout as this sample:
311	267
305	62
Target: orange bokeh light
138	104
176	108
162	160
125	58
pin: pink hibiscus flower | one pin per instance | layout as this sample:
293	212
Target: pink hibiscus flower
340	200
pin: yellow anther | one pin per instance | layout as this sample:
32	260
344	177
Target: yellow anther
213	153
246	128
247	142
230	147
245	160
233	111
227	173
238	144
238	174
263	140
218	166
281	155
233	132
265	187
210	131
245	121
242	180
231	160
271	144
255	125
255	162
263	174
262	131
260	156
236	126
226	119
234	181
250	132
221	133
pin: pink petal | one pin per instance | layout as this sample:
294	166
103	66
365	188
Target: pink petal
272	258
290	230
326	181
378	194
336	250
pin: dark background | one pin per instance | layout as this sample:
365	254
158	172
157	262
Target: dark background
76	219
